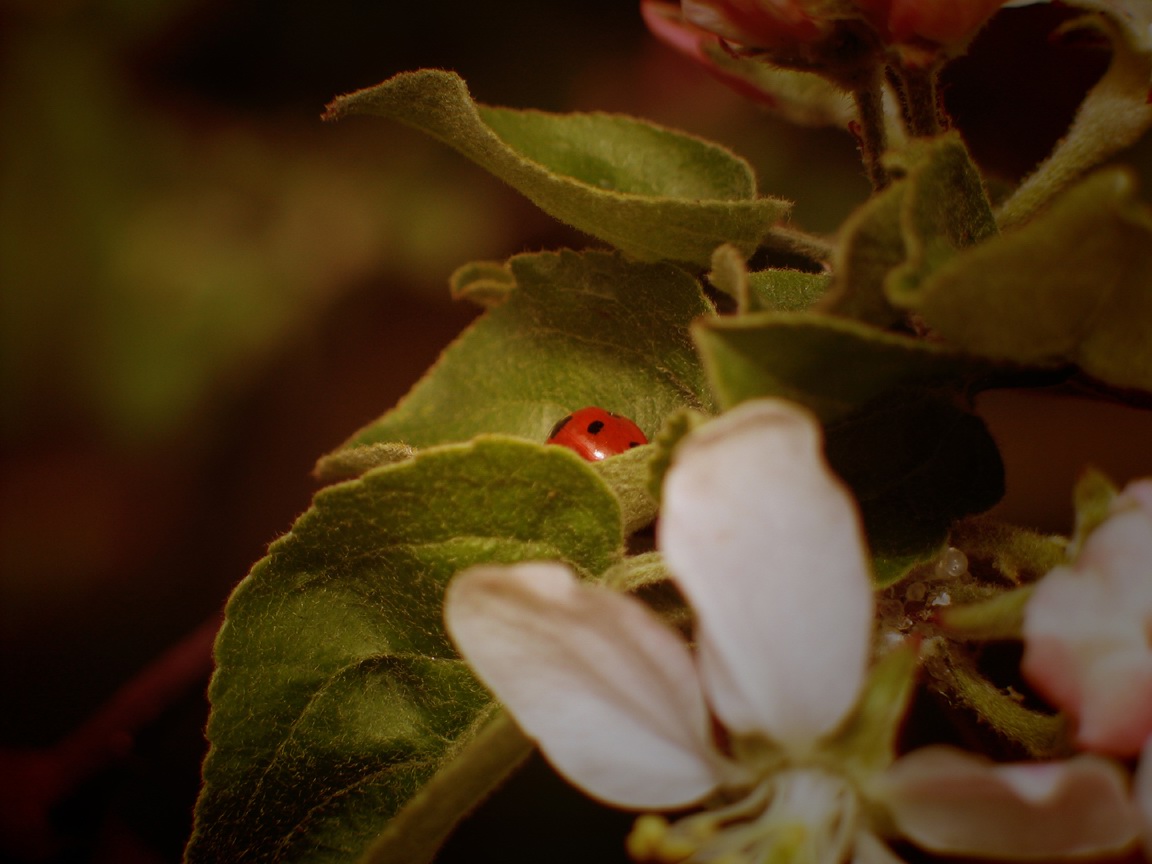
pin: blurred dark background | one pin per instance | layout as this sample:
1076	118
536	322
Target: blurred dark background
203	289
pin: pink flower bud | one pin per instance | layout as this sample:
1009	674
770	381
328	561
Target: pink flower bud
768	24
785	24
945	22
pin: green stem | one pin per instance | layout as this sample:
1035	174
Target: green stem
873	138
922	108
954	674
467	777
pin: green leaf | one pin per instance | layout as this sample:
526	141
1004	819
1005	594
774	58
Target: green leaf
646	577
1093	498
354	461
486	283
872	246
774	290
900	236
1114	114
337	692
915	460
627	476
1073	285
945	210
651	192
577	330
787	290
832	365
675	427
1006	553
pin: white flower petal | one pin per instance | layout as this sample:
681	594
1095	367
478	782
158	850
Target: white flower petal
956	803
608	691
766	545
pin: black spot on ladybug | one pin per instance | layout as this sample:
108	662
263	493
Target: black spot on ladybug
560	424
595	426
632	444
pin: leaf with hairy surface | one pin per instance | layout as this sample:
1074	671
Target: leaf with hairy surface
576	329
337	692
651	192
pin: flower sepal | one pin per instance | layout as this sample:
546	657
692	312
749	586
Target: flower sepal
866	742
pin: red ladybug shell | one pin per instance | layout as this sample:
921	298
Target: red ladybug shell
596	434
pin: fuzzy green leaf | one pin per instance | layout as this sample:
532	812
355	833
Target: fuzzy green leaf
915	460
774	290
645	576
872	246
577	330
1114	114
354	461
627	476
486	283
787	290
1093	498
337	692
899	237
946	208
1073	285
832	365
1006	553
651	192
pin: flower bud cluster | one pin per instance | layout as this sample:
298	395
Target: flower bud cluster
778	25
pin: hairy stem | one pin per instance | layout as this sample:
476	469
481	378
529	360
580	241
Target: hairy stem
922	105
872	138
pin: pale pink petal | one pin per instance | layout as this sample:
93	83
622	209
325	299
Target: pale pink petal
766	545
955	803
1117	710
1143	796
870	849
942	21
1086	632
1139	492
1120	549
609	693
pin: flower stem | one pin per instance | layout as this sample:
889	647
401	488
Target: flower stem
495	747
922	105
872	136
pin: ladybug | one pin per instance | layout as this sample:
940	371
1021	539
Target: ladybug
596	434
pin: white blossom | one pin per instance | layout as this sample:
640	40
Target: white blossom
766	546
